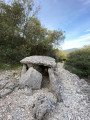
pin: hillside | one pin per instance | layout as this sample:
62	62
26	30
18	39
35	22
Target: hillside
69	50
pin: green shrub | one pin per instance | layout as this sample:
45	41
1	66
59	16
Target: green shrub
9	66
60	56
80	60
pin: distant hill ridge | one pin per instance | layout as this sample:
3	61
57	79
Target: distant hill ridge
70	49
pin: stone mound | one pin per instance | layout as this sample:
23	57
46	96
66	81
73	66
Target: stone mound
66	98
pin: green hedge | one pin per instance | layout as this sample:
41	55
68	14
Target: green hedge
80	60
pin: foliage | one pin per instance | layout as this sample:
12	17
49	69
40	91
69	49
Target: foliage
61	56
9	66
21	33
80	60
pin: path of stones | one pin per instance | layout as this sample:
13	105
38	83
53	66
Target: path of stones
74	92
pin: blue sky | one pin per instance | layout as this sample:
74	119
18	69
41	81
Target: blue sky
72	16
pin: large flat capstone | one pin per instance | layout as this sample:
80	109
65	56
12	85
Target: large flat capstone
39	60
32	78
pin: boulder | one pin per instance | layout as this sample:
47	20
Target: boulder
39	60
32	78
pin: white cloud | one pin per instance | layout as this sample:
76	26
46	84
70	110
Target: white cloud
77	43
87	30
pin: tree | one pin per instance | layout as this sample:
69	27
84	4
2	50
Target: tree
40	38
22	34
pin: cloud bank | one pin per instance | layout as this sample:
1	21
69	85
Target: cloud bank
77	43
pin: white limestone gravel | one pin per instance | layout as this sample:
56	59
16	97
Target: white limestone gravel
74	92
76	103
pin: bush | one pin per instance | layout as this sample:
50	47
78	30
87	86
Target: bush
80	60
60	56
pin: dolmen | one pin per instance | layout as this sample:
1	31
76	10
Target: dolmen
32	73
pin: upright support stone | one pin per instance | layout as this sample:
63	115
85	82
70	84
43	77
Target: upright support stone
53	84
32	78
24	69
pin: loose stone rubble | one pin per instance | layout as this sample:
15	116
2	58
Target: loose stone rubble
65	98
76	103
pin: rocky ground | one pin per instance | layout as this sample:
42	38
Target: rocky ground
22	104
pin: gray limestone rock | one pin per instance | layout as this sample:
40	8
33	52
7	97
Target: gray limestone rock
41	107
9	87
28	104
3	84
40	60
5	92
54	84
23	69
31	78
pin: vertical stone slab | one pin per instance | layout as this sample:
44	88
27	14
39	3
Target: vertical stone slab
54	87
32	78
24	69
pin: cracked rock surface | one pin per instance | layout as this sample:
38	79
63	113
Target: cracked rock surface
28	104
